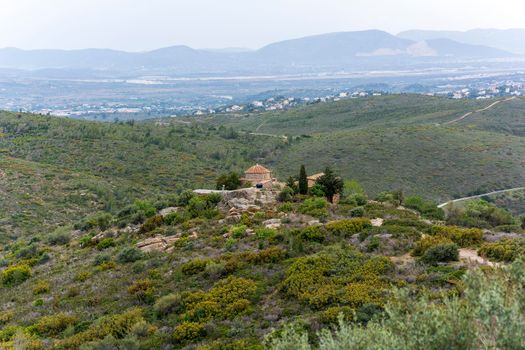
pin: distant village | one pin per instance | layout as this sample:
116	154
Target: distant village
111	111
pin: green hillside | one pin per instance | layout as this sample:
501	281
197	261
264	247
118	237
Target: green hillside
403	142
383	142
104	246
377	112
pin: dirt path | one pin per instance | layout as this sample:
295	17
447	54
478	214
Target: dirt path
260	125
442	205
284	137
403	259
492	105
471	256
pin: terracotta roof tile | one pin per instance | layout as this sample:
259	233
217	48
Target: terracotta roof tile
257	169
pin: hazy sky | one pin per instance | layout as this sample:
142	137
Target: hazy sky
147	24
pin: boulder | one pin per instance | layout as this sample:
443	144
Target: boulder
158	243
378	222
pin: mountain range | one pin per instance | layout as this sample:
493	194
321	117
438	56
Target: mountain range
511	40
345	50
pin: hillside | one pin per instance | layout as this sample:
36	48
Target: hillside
238	272
93	166
103	245
403	142
383	142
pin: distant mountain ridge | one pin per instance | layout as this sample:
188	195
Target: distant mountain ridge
363	49
511	40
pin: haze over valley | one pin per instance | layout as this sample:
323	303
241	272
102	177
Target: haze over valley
179	80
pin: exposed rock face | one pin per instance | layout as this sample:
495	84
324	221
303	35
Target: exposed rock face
248	198
167	211
158	243
272	223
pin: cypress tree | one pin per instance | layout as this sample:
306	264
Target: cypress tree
303	181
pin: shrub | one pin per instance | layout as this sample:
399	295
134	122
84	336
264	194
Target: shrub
236	308
106	243
311	233
129	255
176	218
118	326
110	343
99	220
426	208
143	290
151	224
8	332
51	326
239	231
286	195
15	275
362	293
41	287
322	279
463	237
508	228
505	250
479	213
392	197
427	242
316	207
357	212
270	255
204	311
59	237
101	258
348	227
108	265
83	276
229	181
29	252
332	314
195	266
231	289
265	233
168	304
285	207
441	253
204	206
188	332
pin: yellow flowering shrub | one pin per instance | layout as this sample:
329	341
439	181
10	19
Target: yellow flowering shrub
348	227
464	237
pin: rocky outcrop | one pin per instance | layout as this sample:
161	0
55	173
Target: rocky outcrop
158	243
161	243
248	198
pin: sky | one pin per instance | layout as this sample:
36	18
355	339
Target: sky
139	25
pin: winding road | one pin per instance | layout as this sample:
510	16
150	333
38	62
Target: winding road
442	205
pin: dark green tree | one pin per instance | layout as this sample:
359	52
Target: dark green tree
331	184
292	183
230	181
303	181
